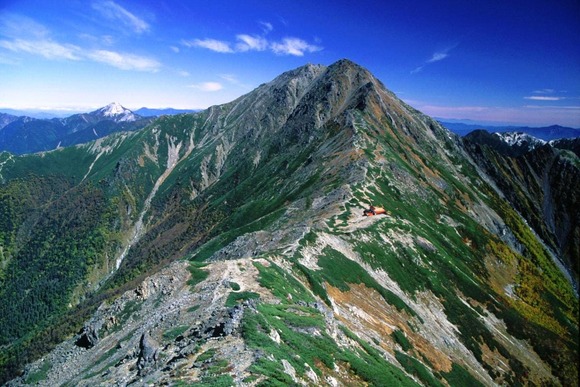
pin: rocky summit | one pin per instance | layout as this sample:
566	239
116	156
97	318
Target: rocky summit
229	247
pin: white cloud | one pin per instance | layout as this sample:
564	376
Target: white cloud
49	49
544	91
115	12
229	77
436	57
174	49
124	61
544	98
17	26
293	46
183	73
251	43
266	27
58	51
210	44
106	40
45	48
208	86
245	43
28	36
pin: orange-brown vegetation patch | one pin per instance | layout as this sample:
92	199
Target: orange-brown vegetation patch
341	373
499	363
364	311
502	265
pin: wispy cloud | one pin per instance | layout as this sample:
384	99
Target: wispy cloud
436	57
293	46
124	61
45	48
287	46
207	86
547	95
544	91
106	40
37	41
251	43
116	13
18	26
24	35
210	44
266	27
175	49
544	98
231	78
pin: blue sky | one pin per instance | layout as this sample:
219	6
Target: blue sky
503	61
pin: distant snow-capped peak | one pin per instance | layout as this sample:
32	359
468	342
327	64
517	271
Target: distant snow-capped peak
117	112
520	139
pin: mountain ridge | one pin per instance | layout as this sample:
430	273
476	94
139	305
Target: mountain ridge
228	246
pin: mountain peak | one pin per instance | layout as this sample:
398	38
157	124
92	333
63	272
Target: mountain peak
117	112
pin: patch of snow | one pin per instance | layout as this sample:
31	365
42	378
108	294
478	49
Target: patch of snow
117	112
520	139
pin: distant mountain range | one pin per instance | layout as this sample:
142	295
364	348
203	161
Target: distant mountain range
24	134
48	114
546	133
146	112
29	132
20	134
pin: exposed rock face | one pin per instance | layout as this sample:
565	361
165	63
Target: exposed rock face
149	353
245	258
88	338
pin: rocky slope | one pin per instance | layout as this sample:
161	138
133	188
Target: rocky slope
228	247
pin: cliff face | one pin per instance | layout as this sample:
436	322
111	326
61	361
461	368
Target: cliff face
229	247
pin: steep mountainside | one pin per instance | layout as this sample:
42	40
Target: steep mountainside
539	181
28	135
228	247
